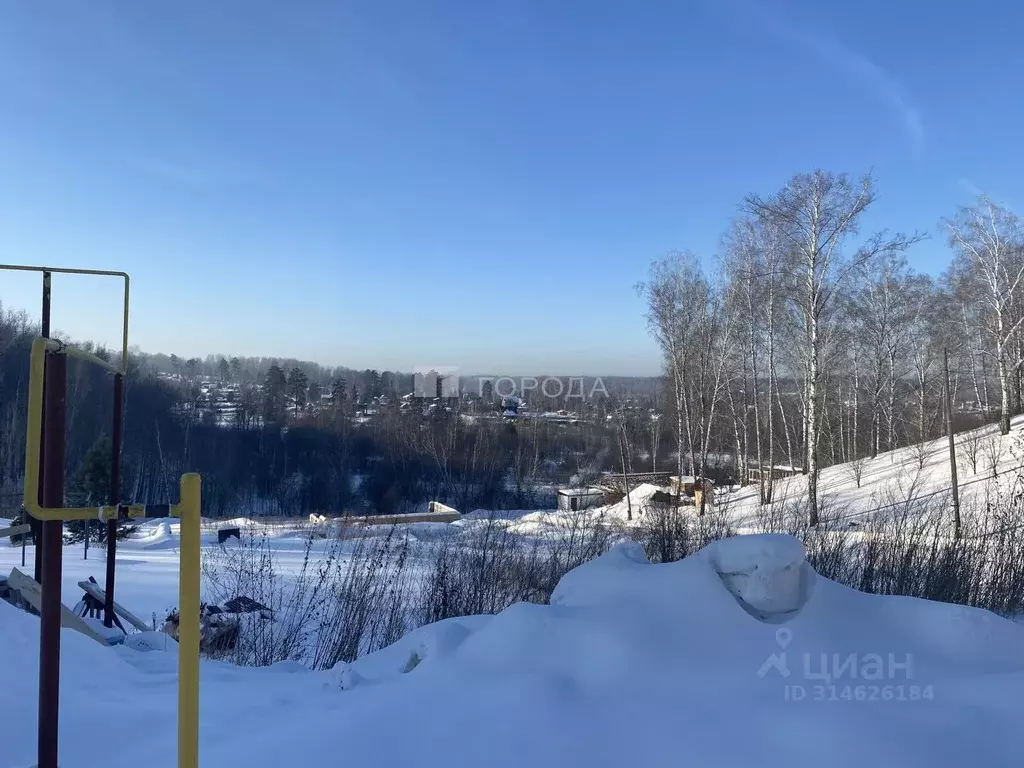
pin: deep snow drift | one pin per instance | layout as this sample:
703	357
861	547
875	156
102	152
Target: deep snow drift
631	664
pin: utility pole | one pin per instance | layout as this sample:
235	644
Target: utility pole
952	446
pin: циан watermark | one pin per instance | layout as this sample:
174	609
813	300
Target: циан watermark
811	677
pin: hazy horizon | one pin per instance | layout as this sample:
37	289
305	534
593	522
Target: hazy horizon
112	341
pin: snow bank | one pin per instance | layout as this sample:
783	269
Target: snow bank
639	497
767	574
631	664
155	534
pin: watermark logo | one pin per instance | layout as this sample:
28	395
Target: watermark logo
813	676
778	661
553	387
430	381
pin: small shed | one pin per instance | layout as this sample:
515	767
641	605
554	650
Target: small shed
573	499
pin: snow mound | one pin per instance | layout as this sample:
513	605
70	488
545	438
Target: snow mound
767	574
628	662
151	641
156	534
639	498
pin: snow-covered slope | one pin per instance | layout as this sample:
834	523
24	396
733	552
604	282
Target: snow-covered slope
631	664
895	475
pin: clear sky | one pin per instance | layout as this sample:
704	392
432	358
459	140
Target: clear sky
481	184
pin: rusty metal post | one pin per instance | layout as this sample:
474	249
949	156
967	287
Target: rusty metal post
115	497
37	526
55	407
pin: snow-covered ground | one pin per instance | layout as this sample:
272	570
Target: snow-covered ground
148	562
631	664
895	474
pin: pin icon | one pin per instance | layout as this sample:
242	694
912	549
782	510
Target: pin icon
777	661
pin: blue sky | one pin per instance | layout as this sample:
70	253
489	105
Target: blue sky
389	184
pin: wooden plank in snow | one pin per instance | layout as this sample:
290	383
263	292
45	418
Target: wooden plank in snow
30	591
14	530
93	589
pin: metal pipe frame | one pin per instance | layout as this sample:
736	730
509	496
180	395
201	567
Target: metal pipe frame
47	272
97	272
188	510
37	367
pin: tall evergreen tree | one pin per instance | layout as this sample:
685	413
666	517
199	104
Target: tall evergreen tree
274	388
298	386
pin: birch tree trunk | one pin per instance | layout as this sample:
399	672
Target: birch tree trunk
891	438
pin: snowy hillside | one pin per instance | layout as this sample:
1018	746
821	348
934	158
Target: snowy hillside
918	471
631	664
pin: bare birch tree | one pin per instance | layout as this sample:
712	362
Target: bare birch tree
816	214
990	248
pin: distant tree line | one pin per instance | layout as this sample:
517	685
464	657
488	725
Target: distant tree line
305	438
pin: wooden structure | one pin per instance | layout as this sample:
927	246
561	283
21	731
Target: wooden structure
97	597
574	499
703	494
616	481
774	473
697	488
28	591
683	484
14	530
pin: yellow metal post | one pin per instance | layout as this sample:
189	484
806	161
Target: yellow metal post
188	622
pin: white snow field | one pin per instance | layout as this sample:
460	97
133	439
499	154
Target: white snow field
895	475
631	664
739	655
148	562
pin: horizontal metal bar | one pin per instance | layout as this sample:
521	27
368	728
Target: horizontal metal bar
71	513
63	270
150	511
130	511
